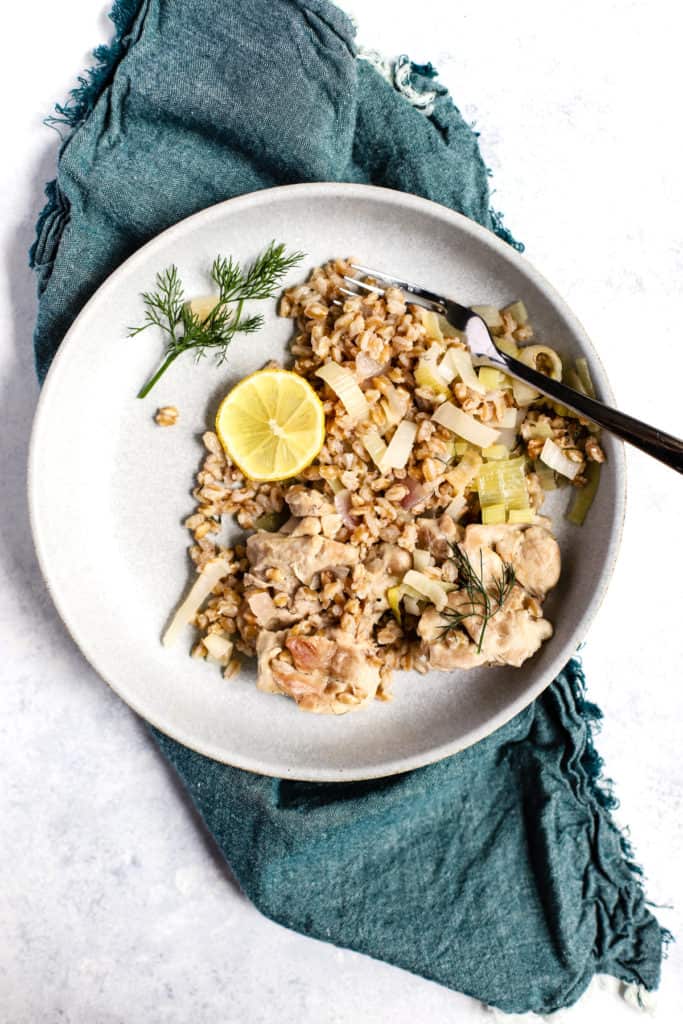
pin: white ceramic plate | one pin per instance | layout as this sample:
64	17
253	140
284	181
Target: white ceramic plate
109	489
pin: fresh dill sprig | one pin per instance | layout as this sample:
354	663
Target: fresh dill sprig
167	309
482	603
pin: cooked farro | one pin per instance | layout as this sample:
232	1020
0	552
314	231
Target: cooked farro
342	502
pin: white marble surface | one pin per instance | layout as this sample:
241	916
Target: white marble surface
114	905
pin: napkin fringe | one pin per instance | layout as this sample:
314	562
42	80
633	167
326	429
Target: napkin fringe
602	789
54	216
95	79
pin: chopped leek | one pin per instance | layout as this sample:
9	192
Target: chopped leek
393	596
517	310
344	384
459	361
434	590
202	305
557	460
489	314
493	514
427	373
584	496
523	394
521	515
401	445
422	559
508	347
543	359
459	422
219	647
374	446
509	418
394	403
503	482
457	508
465	472
411	606
211	574
431	324
336	485
271	521
491	379
540	430
496	451
572	378
585	376
460	448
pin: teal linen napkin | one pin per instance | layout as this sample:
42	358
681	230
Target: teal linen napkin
498	872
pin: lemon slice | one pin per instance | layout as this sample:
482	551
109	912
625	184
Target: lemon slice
272	425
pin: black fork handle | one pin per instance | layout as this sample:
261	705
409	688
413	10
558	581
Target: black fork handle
657	443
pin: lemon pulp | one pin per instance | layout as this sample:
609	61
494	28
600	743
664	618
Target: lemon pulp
272	424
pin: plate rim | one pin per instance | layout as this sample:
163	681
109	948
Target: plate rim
468	227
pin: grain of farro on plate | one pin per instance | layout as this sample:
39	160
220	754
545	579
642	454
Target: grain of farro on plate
413	538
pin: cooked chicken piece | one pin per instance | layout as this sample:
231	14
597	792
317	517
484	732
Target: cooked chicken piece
307	527
330	524
298	559
446	650
302	605
305	501
513	633
437	536
386	565
263	607
268	646
534	554
323	675
456	652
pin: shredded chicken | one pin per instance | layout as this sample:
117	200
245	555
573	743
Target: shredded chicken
322	674
285	561
320	619
461	637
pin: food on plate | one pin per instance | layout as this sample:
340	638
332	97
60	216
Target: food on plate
401	529
166	416
210	322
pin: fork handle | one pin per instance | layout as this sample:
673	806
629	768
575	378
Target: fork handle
665	447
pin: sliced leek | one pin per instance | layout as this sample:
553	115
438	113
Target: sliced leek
495	452
459	361
464	473
584	497
401	445
493	514
374	446
212	573
503	483
345	386
521	515
554	457
489	314
434	590
465	426
517	310
491	379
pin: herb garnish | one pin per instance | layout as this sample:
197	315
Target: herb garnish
482	603
167	308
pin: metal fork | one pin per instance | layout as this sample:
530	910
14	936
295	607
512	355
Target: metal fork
662	446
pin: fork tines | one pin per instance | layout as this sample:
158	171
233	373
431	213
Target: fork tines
421	296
